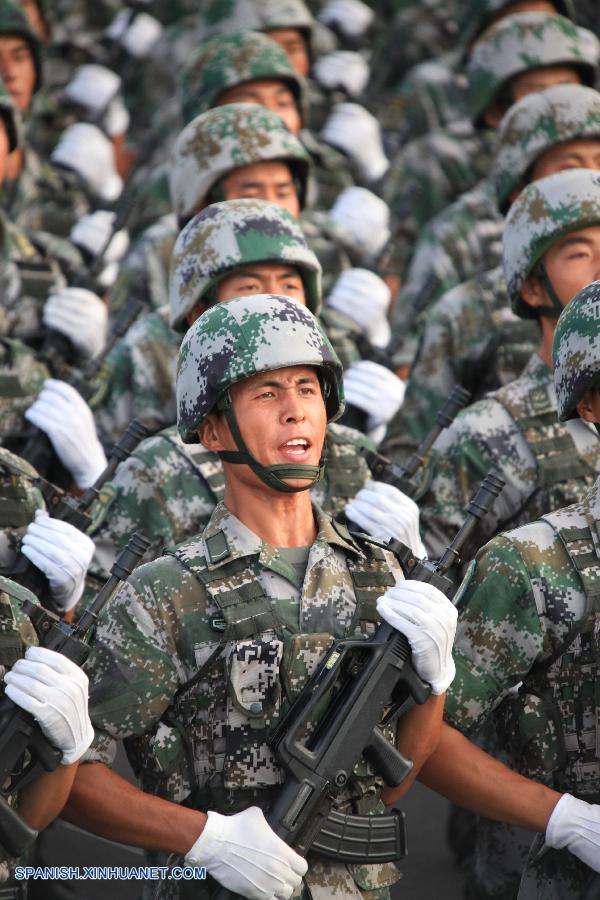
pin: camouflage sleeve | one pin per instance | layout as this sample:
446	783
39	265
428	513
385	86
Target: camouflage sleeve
499	634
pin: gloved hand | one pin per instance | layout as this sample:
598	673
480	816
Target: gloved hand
86	150
575	824
428	620
55	691
81	316
137	37
365	298
342	70
63	553
92	233
385	512
62	413
243	854
355	131
93	88
366	218
374	389
351	18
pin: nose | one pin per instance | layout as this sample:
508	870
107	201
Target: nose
292	408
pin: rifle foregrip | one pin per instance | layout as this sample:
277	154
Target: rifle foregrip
387	761
15	835
362	839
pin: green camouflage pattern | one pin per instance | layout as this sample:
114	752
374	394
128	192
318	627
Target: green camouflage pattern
240	338
537	123
525	41
544	212
227	138
470	337
159	629
232	59
169	489
224	16
21	379
575	350
230	234
19	499
13	21
516	431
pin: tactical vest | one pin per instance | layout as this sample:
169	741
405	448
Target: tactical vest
554	723
211	749
562	475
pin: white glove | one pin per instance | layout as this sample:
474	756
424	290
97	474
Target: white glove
355	131
80	315
93	88
365	298
375	390
575	824
243	854
342	69
62	413
366	218
92	234
137	37
351	17
385	512
428	620
85	149
63	553
116	118
55	691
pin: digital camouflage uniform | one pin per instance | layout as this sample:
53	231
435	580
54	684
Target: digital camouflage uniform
465	239
470	336
205	742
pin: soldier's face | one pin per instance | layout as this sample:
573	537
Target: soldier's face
281	416
262	278
272	181
275	95
536	80
292	41
17	70
571	264
589	406
571	155
4	150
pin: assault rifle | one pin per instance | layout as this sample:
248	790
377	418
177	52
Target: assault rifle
73	510
24	751
359	687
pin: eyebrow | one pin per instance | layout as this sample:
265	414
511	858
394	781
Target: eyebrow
249	273
569	241
275	382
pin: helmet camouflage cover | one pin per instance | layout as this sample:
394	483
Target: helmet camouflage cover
13	21
576	350
544	212
539	121
224	16
522	42
234	340
477	14
232	59
224	139
230	234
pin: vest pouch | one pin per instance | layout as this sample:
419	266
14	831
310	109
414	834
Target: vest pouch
158	757
528	725
253	706
302	655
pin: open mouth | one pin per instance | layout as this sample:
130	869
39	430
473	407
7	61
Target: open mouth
296	448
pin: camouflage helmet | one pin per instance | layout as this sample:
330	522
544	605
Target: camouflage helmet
522	42
224	139
538	122
227	235
232	59
234	340
13	21
576	350
477	13
12	118
545	211
223	16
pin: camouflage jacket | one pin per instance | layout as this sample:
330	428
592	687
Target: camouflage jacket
546	464
470	338
169	490
460	242
21	380
429	173
160	629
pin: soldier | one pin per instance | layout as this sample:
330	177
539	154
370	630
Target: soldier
527	618
170	488
550	252
470	336
465	238
257	382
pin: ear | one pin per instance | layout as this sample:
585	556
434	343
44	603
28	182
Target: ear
585	408
210	433
533	293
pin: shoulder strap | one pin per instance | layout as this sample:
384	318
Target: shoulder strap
207	464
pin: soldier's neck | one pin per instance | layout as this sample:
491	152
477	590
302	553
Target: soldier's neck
283	520
548	327
15	163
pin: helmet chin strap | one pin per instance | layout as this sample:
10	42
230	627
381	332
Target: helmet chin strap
554	311
273	476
